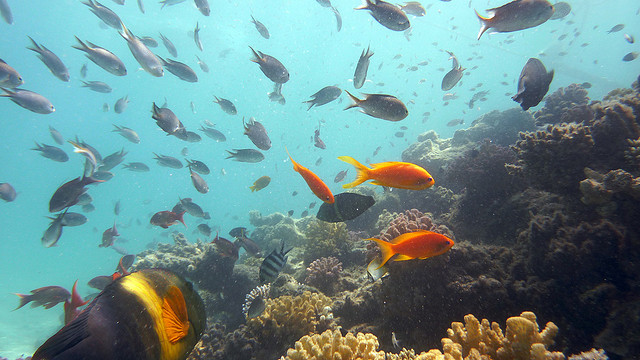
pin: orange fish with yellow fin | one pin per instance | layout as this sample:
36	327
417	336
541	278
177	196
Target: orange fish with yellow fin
319	188
420	244
397	174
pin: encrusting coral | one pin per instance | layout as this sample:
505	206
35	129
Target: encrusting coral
325	239
567	104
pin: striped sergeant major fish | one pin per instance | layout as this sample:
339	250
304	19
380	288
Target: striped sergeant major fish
273	264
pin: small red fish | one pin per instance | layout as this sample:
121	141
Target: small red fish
419	244
164	219
319	188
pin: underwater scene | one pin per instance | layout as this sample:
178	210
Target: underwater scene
319	179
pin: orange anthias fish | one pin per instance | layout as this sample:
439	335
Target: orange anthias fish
319	188
401	175
419	244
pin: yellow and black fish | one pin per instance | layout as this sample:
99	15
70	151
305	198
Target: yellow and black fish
149	314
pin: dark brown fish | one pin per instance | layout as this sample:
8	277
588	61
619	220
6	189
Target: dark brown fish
250	246
455	122
225	247
109	236
271	67
164	219
516	15
533	84
198	182
381	106
67	195
388	15
166	119
256	132
360	75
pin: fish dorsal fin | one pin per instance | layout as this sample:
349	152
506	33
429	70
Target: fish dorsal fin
68	337
406	236
174	315
2	61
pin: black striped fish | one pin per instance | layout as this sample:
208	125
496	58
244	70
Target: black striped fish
273	264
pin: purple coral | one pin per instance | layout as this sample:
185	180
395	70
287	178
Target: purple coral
323	273
409	221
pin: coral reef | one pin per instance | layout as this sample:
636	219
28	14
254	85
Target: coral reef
553	159
598	189
325	239
323	273
331	345
499	127
288	318
522	339
568	104
270	230
408	221
592	354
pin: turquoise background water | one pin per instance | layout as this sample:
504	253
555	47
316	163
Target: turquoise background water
305	40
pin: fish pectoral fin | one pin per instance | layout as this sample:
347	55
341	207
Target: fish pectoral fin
70	335
174	315
403	258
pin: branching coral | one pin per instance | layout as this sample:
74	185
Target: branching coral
325	239
287	318
323	273
331	345
568	104
522	340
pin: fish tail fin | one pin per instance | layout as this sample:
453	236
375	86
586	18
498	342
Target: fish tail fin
35	45
126	33
253	188
7	93
257	58
24	300
356	101
361	176
311	103
296	166
486	23
386	249
181	218
364	6
82	46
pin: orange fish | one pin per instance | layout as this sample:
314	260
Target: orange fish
401	175
420	244
319	188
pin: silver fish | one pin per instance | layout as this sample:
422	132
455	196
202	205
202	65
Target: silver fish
182	71
213	133
29	100
127	133
271	67
168	161
5	11
51	60
9	77
141	6
147	59
105	14
360	76
245	155
257	133
97	86
121	104
198	182
196	37
203	6
169	45
454	75
203	66
325	95
53	233
226	105
338	18
260	27
55	134
51	152
102	57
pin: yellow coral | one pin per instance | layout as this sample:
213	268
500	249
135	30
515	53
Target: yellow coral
331	345
290	317
481	340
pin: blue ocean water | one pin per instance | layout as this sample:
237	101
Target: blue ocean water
305	39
